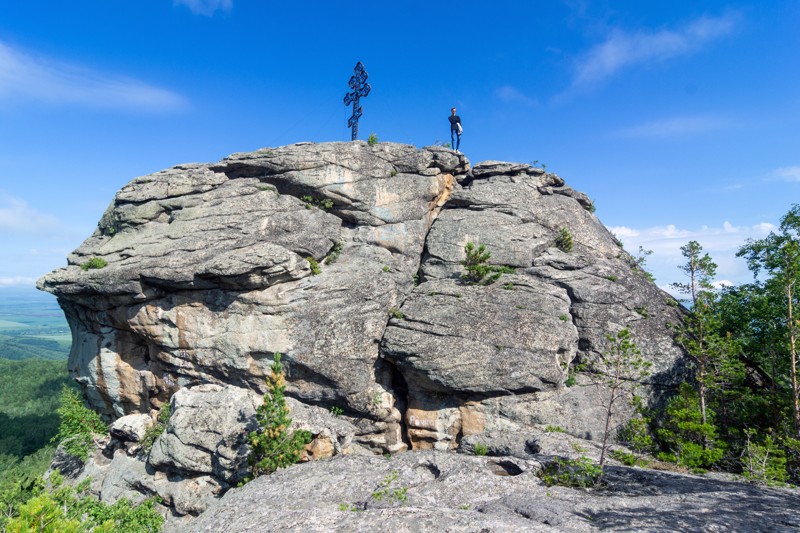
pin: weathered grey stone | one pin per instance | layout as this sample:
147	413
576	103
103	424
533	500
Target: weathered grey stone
207	431
207	273
507	348
452	492
131	428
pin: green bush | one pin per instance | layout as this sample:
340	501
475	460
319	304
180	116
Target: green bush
334	254
581	472
155	431
554	429
564	241
623	457
314	264
480	449
763	463
479	271
372	139
394	312
78	424
387	491
272	446
689	442
67	509
94	263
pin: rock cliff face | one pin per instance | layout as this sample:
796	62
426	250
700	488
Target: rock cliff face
346	257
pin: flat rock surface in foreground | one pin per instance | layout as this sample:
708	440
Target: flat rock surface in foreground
435	491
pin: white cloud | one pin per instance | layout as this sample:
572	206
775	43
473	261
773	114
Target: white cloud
628	49
676	126
17	217
510	94
721	243
17	281
29	77
788	173
206	7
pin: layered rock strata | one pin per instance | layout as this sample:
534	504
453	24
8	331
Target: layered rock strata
346	258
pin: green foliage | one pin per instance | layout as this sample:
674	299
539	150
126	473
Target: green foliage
93	263
314	265
508	286
636	434
336	410
592	206
273	446
778	255
78	425
349	507
386	268
65	509
393	173
29	397
628	459
617	372
479	271
581	473
642	310
564	240
640	261
571	380
538	164
325	204
372	140
612	278
690	441
554	429
394	312
480	449
563	318
389	492
763	463
334	254
21	480
155	431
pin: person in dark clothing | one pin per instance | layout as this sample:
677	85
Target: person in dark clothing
455	129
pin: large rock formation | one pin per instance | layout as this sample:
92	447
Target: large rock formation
346	258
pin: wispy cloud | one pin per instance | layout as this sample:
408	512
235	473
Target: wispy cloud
623	50
17	217
721	243
206	7
512	95
17	281
28	77
787	173
676	127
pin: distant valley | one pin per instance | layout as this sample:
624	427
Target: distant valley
32	325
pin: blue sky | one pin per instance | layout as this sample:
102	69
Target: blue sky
680	118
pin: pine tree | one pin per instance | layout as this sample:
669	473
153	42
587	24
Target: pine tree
273	446
617	370
696	335
779	255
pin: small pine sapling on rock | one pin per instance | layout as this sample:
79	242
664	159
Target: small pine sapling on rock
273	446
479	271
618	370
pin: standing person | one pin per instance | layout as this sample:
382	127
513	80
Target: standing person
455	129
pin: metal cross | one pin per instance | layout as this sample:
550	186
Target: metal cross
358	82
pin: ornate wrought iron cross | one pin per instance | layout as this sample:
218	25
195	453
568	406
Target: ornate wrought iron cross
358	82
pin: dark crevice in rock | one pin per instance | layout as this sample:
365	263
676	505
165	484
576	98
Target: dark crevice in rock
401	398
504	468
